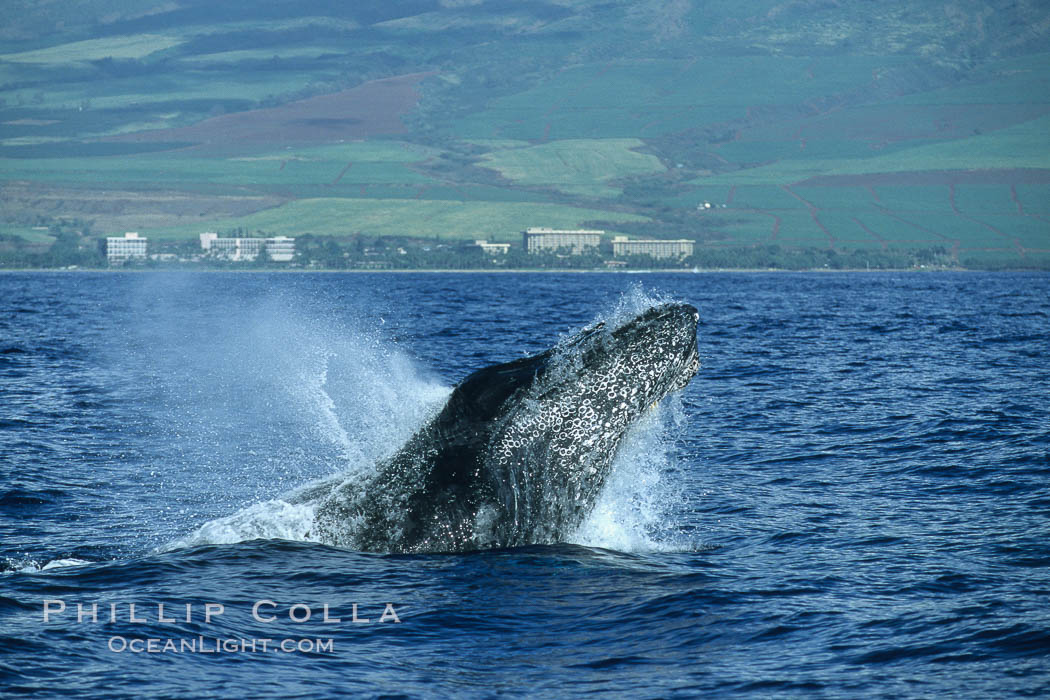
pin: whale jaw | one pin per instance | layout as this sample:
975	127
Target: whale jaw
521	450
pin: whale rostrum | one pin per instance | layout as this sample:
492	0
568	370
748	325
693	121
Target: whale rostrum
521	450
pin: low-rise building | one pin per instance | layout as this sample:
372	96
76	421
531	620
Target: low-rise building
576	241
679	248
278	248
235	249
130	246
493	248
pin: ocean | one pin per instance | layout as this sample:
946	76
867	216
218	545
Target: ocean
851	498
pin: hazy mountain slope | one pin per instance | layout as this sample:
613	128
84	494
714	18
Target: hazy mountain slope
647	109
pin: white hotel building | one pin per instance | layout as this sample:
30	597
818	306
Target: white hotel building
680	248
278	248
130	246
576	241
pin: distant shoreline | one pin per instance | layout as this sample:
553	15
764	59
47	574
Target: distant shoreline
512	271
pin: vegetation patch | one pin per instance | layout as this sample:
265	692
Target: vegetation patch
234	58
1025	231
437	219
1034	198
118	47
813	126
168	170
585	167
855	199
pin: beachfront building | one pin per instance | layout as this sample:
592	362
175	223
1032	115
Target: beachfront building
493	248
235	249
576	241
278	248
130	246
624	247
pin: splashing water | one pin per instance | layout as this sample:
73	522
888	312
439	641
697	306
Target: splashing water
277	397
630	304
362	395
634	512
365	398
9	565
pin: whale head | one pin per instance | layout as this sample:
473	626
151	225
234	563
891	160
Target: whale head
553	446
520	451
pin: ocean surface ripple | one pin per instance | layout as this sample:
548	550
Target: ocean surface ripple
850	499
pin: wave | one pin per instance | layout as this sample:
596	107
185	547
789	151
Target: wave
29	566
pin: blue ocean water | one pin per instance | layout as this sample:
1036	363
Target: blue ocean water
851	498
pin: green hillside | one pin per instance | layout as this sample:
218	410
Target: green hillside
834	126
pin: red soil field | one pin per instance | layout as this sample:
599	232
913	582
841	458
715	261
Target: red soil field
371	109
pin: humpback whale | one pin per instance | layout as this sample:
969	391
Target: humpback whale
521	450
